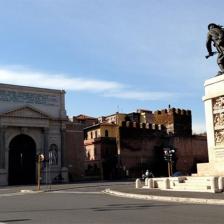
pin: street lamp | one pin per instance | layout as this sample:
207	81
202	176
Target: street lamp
169	154
40	158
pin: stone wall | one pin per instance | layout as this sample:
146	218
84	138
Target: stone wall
74	154
138	147
190	151
142	148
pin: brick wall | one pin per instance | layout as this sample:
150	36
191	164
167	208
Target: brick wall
189	152
176	121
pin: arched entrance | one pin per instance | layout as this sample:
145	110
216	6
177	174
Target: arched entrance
22	165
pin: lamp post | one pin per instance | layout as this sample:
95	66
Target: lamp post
169	153
40	158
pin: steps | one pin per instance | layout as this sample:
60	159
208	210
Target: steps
185	183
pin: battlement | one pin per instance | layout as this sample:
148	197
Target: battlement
171	111
130	124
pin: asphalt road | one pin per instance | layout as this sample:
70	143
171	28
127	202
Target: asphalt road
87	204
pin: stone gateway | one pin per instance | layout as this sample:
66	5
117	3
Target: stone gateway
32	121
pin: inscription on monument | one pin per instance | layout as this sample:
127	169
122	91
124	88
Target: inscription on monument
28	98
219	154
218	118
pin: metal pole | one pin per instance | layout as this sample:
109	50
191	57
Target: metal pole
101	162
50	163
50	174
38	173
46	174
169	168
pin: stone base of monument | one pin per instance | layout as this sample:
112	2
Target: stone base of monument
214	114
210	169
212	184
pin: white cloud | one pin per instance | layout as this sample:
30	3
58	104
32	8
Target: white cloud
61	81
140	95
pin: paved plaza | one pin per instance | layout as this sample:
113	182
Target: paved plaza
87	203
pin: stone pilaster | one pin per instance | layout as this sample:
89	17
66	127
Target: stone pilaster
62	146
45	137
2	147
62	105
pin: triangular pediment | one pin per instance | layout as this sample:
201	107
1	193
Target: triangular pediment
25	112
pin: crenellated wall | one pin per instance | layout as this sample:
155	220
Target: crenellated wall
130	124
176	121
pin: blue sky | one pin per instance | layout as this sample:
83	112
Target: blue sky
111	55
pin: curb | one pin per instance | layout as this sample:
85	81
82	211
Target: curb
167	199
30	191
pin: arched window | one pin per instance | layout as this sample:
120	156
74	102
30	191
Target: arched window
106	133
91	134
95	134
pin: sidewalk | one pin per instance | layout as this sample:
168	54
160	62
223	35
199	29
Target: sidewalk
167	195
127	189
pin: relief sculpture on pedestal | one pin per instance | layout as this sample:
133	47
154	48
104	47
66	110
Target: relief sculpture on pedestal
218	117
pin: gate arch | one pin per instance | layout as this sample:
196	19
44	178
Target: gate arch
22	164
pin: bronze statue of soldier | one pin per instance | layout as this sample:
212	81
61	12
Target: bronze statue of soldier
216	36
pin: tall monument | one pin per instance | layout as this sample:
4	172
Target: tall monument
214	106
214	114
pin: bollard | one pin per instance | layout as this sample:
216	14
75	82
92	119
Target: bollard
146	181
214	184
220	183
167	183
150	183
138	183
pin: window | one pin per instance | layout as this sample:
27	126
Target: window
106	133
53	154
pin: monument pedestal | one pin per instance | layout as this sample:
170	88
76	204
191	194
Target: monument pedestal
214	114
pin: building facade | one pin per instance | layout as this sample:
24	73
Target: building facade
32	122
101	150
139	146
74	154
